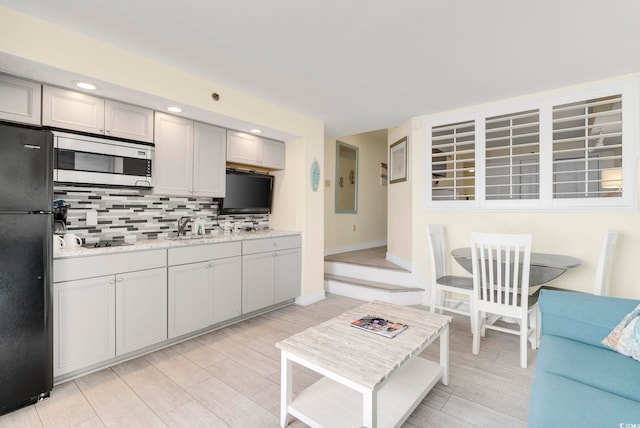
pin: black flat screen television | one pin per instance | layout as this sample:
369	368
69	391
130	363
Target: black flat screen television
247	193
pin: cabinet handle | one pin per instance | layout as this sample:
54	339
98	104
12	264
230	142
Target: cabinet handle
119	279
111	281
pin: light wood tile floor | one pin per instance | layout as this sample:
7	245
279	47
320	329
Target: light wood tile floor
376	257
230	378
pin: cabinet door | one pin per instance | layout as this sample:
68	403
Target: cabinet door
72	110
173	157
20	100
84	323
243	148
127	121
141	309
287	279
209	160
272	154
188	308
226	289
257	281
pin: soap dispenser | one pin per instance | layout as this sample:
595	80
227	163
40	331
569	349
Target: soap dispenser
199	227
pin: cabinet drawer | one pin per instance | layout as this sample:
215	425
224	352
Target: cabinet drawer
108	264
201	253
252	246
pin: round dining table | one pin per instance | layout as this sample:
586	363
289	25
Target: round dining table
544	267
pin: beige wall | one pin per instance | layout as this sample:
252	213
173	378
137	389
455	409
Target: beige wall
371	218
400	201
578	234
296	207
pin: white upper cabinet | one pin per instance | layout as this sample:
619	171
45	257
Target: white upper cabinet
173	157
209	154
249	149
272	154
128	121
77	111
20	100
66	109
189	158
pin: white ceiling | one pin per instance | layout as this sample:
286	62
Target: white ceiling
363	65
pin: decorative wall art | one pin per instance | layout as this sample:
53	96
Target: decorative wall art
383	174
398	161
315	175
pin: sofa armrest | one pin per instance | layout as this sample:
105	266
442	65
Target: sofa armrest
582	317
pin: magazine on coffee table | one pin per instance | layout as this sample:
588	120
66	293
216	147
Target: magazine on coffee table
379	326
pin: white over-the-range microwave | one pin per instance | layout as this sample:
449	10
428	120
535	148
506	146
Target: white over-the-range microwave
80	159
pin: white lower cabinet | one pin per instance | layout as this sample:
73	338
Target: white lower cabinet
226	289
107	306
141	309
258	281
287	274
270	271
84	323
97	318
204	286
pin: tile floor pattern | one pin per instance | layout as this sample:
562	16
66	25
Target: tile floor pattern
230	378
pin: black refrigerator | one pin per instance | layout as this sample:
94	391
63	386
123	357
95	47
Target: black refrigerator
26	228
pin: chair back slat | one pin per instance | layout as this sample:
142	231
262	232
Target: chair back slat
501	266
435	232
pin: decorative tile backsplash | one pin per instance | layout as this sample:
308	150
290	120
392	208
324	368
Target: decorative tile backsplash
134	214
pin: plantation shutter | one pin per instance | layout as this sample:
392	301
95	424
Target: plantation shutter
453	162
512	156
587	148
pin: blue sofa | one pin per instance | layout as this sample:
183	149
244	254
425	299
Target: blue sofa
578	381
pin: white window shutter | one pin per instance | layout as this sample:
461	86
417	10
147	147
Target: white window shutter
587	148
512	156
453	162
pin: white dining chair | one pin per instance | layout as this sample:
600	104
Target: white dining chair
604	262
609	243
445	287
501	264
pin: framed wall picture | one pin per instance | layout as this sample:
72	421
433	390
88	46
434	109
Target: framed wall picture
398	161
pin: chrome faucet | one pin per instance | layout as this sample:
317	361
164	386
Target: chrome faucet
183	222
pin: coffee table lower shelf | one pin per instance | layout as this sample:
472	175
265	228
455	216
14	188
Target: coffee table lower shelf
328	403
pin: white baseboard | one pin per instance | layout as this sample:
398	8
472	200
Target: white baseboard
404	264
310	298
354	247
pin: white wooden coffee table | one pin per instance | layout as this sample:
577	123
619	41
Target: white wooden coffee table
369	380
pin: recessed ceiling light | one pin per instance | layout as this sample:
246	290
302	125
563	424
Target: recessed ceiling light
256	131
174	109
86	85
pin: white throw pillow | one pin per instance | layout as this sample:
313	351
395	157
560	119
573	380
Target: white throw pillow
625	337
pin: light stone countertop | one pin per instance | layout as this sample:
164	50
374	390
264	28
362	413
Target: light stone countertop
154	244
